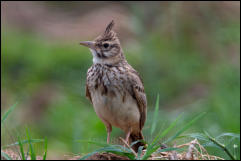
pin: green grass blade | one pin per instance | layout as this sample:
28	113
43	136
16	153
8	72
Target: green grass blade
198	136
31	149
139	152
154	122
230	141
105	145
125	149
23	142
153	146
21	149
135	142
45	148
154	149
160	135
185	127
4	117
221	146
229	134
93	142
235	151
149	152
4	155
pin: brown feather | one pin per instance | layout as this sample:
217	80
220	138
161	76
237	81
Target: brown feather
137	137
87	93
141	101
138	93
109	27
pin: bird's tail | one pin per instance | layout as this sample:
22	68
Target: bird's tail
135	137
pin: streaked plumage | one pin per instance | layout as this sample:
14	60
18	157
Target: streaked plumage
114	88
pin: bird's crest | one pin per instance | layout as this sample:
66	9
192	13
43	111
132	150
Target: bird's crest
109	27
109	34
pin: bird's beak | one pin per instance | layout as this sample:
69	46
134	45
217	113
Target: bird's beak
89	44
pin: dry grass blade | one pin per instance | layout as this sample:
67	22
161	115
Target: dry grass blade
128	146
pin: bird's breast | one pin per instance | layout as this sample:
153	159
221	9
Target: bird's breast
111	98
118	111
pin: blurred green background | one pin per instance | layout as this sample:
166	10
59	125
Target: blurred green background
187	52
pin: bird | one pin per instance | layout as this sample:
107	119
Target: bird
115	88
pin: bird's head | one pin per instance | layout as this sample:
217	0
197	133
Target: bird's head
105	48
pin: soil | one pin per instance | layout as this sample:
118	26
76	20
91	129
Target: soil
107	156
97	156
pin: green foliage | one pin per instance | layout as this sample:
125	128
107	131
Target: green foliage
161	134
21	148
153	127
23	142
31	149
185	127
5	156
45	148
116	149
152	147
228	143
4	117
138	157
220	145
20	142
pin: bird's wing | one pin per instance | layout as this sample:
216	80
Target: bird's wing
87	93
138	93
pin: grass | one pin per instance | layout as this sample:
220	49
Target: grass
153	127
4	117
229	147
5	156
154	146
152	149
20	143
21	149
222	146
187	81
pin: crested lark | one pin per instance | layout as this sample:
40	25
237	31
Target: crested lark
114	88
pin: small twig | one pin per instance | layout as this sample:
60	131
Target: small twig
202	148
173	155
189	154
128	146
212	157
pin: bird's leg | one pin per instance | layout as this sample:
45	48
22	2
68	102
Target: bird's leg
128	135
109	129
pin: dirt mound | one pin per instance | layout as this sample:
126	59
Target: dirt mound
107	156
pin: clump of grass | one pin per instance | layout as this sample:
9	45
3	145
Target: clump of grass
8	154
189	150
191	153
152	149
230	148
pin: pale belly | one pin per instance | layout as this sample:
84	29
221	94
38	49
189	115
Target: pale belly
115	111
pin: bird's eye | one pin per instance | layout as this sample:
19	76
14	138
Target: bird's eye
106	45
